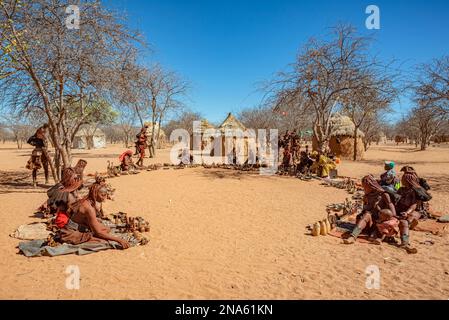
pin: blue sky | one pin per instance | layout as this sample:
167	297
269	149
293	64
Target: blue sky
226	47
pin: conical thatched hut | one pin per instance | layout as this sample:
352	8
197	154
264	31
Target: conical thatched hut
232	123
342	140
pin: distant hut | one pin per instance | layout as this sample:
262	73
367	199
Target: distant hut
89	137
341	141
161	139
200	130
232	123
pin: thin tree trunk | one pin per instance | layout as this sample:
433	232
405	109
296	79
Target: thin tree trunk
159	132
423	143
56	176
355	145
139	116
126	140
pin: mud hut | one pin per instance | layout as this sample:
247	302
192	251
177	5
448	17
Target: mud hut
89	137
341	141
232	123
200	130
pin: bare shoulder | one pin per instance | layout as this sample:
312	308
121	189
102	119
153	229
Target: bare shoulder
386	196
86	210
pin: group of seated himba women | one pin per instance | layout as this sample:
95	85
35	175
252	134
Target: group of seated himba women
78	218
303	162
391	206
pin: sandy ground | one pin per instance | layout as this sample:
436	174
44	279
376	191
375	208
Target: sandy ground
222	235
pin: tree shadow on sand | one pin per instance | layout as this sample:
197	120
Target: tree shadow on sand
233	174
399	149
91	156
19	182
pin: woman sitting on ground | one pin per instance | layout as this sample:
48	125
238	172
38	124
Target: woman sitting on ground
305	163
65	195
322	165
83	225
126	161
407	207
375	200
65	192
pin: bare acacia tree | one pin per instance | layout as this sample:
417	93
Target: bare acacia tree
21	132
324	74
373	127
432	86
431	95
373	97
57	70
19	127
5	133
159	94
113	133
184	120
174	89
127	124
261	117
426	121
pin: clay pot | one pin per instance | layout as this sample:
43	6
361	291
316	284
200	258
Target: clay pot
328	225
316	230
323	228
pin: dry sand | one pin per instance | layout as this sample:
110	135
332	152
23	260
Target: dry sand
218	234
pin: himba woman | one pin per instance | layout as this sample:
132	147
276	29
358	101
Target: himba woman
407	205
375	200
39	155
126	160
83	225
62	194
142	144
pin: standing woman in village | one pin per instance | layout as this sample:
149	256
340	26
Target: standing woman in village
39	155
375	200
142	144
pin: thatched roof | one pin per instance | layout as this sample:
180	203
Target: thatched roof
343	126
204	125
231	122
